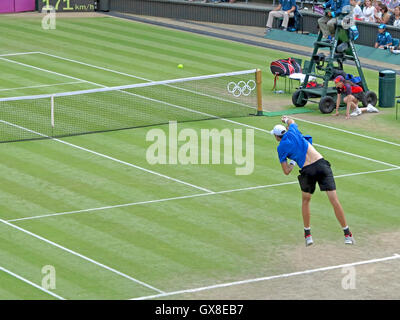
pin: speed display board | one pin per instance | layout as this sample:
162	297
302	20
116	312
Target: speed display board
68	5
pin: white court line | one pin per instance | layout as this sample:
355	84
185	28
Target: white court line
41	86
136	77
45	70
18	54
347	131
81	256
357	156
185	197
88	150
107	157
31	283
279	276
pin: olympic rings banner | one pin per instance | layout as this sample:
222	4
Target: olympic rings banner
241	88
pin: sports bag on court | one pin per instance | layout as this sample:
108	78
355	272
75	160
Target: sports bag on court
284	67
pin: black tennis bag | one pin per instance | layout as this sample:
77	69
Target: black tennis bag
284	67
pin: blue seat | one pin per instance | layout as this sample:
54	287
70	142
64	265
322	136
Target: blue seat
395	42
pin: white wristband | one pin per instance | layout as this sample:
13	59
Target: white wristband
286	120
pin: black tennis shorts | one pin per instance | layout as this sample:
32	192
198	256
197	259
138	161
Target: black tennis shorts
320	171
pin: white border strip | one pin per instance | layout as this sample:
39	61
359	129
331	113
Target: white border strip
356	155
82	256
31	283
41	86
184	197
279	276
108	157
347	131
19	54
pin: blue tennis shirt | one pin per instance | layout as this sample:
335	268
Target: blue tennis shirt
384	38
287	4
294	146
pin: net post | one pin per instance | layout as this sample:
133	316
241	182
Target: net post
259	92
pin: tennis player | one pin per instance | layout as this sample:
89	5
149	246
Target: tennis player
314	168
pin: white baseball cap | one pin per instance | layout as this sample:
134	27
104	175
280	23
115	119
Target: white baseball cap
279	130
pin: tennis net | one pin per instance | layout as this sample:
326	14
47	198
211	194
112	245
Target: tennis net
227	95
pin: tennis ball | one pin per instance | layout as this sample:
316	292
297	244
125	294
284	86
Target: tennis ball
180	66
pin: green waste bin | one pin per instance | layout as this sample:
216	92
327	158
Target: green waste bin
387	88
103	5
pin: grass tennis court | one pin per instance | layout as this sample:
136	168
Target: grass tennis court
115	227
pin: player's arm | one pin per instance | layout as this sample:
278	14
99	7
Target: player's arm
288	167
338	99
287	121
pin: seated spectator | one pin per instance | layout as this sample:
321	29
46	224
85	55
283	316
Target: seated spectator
327	24
385	14
357	12
392	5
395	17
383	39
378	13
369	11
285	10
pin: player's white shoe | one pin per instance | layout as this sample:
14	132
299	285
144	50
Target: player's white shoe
371	108
356	112
309	240
349	239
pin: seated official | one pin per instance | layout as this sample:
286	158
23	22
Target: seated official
285	10
327	24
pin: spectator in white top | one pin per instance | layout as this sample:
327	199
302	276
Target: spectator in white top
378	13
368	11
357	12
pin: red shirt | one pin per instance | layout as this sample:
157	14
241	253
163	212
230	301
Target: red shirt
349	89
